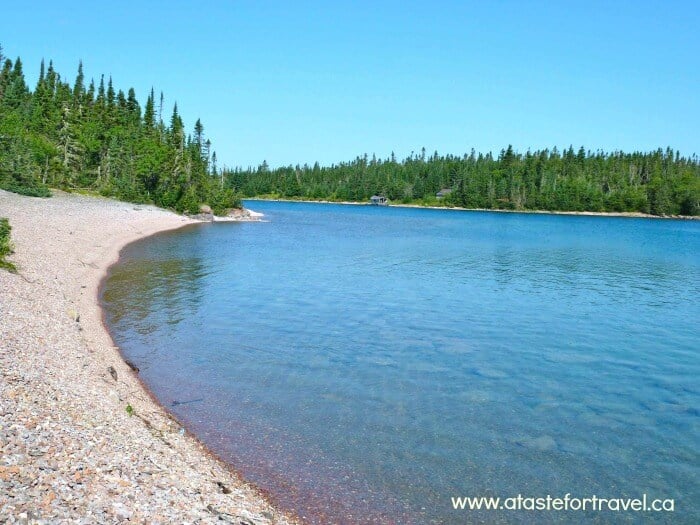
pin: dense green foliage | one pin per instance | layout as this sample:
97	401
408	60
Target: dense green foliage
5	245
659	182
98	138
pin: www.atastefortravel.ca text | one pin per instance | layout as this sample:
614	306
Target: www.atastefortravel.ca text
566	503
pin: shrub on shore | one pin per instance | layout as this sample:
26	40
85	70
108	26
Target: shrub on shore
29	189
5	245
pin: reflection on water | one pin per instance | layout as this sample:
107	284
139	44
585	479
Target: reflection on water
168	287
365	365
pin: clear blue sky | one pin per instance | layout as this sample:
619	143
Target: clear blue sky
296	82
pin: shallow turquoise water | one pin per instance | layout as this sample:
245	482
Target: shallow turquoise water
367	364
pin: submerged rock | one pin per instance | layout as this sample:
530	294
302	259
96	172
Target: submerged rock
131	365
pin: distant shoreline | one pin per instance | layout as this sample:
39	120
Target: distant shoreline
629	215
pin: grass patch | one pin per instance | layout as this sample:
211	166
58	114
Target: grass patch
6	245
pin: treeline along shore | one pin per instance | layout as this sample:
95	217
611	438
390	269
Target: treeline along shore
94	136
660	182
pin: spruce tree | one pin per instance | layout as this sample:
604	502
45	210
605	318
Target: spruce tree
149	113
79	87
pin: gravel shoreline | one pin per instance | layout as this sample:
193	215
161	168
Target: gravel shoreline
71	451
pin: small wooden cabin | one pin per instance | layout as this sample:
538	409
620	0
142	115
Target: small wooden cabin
443	193
379	200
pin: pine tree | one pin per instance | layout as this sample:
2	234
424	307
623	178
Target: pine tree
5	75
70	148
160	109
133	108
41	75
149	113
198	133
16	90
101	97
177	130
90	95
110	95
79	86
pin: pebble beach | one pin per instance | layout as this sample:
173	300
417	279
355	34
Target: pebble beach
81	439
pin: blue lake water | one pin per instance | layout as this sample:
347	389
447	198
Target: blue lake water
365	365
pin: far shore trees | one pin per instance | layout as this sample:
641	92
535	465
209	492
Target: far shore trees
660	182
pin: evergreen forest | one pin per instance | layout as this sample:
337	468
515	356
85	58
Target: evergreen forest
80	136
660	182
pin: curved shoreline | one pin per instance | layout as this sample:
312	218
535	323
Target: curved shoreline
71	449
259	492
